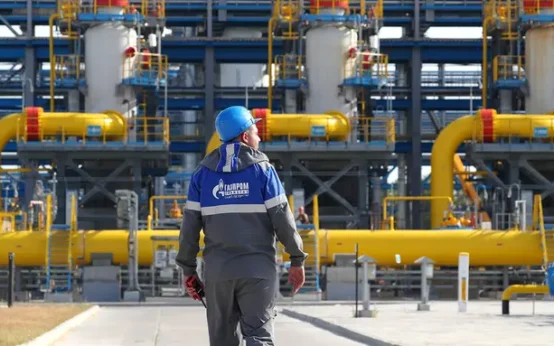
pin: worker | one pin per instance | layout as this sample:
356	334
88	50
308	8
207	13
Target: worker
236	195
302	216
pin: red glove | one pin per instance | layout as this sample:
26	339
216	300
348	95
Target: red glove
195	287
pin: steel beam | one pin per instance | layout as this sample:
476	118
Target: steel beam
318	181
414	121
8	25
537	177
29	76
99	186
326	186
363	192
61	192
490	174
209	78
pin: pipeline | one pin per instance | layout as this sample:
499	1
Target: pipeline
507	294
487	248
485	126
337	126
34	124
467	186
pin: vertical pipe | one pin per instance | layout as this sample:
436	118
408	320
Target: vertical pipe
356	264
315	211
291	203
11	278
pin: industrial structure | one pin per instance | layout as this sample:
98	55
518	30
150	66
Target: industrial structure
122	95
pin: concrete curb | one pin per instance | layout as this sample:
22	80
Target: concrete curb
54	334
335	329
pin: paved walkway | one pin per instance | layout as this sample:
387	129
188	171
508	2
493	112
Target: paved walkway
177	325
399	323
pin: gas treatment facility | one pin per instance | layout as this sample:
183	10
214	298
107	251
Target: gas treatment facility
426	161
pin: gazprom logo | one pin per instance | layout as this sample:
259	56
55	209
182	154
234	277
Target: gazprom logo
233	190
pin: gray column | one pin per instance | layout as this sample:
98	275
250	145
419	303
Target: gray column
29	77
363	194
61	192
73	101
505	101
209	78
189	117
401	214
414	122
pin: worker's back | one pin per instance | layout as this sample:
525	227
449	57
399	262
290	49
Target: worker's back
233	184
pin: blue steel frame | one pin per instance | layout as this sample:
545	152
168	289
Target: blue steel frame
413	49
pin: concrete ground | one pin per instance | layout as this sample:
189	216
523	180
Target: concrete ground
399	323
182	322
166	325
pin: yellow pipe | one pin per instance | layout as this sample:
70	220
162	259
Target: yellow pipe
507	294
337	126
485	125
467	186
315	211
487	248
69	124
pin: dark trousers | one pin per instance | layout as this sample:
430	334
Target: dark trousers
249	303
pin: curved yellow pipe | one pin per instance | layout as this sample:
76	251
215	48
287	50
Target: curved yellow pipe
507	294
513	289
485	125
336	126
486	248
467	185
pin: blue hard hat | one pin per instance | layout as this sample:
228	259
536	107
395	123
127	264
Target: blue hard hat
233	121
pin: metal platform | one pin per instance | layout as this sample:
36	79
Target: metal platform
193	50
158	151
510	84
508	150
311	146
91	18
290	83
365	81
353	19
70	83
145	81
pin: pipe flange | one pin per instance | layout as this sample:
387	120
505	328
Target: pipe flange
32	122
261	113
487	119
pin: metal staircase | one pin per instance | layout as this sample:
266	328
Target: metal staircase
59	259
59	268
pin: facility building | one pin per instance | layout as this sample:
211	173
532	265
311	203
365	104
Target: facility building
122	95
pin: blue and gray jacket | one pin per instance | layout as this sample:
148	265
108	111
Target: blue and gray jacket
236	197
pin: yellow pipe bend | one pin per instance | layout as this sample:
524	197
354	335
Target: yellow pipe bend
510	290
507	294
487	248
485	126
336	125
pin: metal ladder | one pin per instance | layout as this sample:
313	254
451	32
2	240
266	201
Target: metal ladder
59	267
309	236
